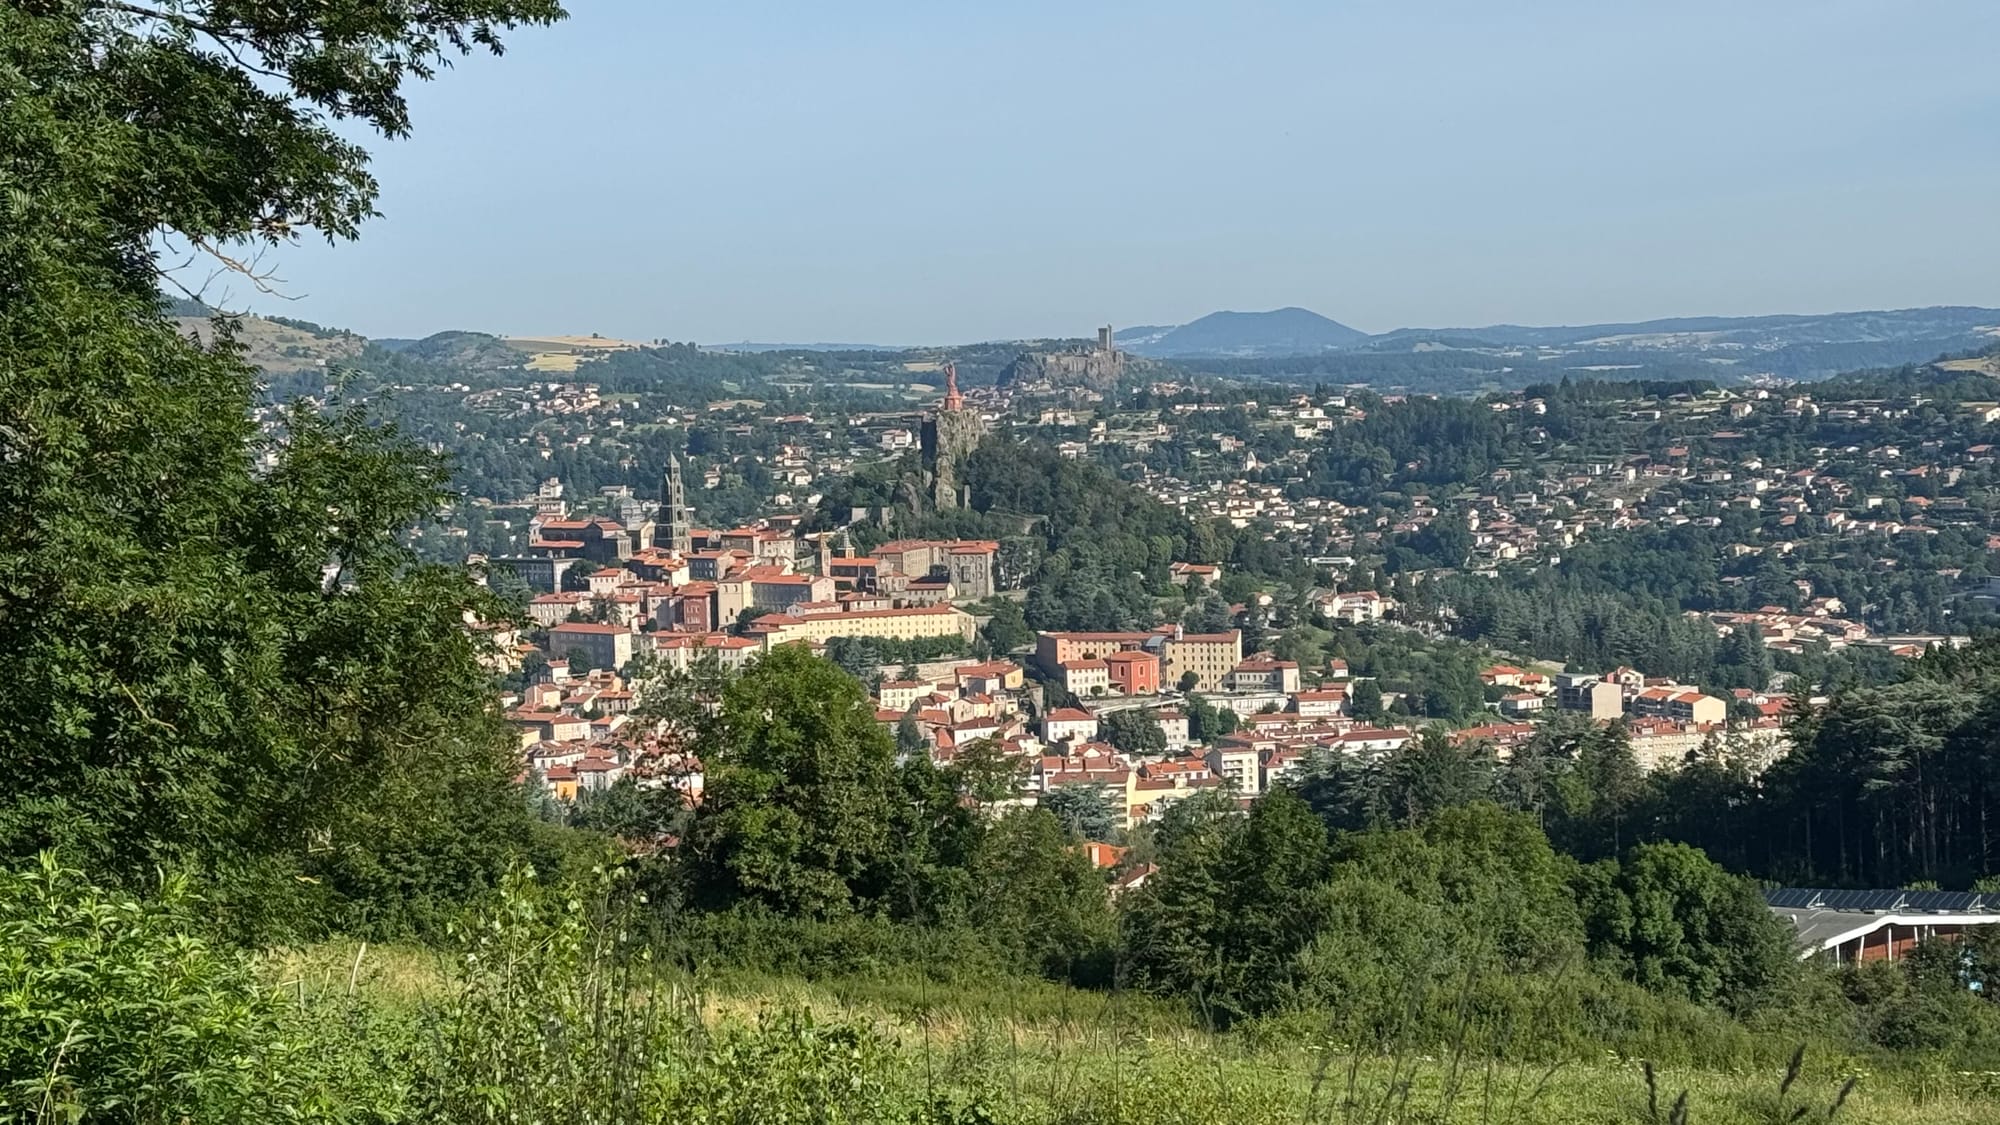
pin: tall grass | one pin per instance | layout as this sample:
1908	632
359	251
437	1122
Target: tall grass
553	1008
562	1009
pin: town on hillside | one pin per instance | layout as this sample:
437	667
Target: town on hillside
1219	669
491	708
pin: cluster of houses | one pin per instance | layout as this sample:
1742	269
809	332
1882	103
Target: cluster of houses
738	592
1667	720
549	399
1533	513
576	735
609	593
1685	457
954	705
1281	722
1053	721
1818	626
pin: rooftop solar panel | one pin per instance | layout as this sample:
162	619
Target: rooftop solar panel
1864	900
1818	898
1957	902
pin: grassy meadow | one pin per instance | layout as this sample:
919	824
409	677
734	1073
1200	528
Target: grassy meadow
1031	1051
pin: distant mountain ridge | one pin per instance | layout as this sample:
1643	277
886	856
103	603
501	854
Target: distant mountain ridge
1789	328
1281	344
1286	331
1790	345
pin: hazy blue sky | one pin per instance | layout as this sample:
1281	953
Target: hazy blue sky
933	172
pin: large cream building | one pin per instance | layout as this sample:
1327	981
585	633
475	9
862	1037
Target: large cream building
885	624
1210	656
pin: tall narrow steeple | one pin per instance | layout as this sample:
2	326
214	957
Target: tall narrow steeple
674	514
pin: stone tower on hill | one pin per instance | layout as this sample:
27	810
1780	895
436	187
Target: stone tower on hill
675	518
1097	369
950	434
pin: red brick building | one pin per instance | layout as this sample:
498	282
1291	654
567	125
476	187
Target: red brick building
1134	673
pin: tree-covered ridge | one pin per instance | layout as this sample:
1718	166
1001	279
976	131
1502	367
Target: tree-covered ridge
1888	786
1092	551
1912	381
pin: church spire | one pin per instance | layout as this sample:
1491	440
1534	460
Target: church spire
674	509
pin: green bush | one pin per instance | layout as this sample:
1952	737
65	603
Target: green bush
111	1009
787	1068
774	945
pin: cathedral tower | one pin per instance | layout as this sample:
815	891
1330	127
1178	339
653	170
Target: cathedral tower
674	513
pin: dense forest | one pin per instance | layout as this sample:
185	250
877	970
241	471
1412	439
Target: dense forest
1626	599
1889	785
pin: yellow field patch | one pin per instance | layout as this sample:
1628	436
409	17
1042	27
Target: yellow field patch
563	362
1983	365
563	343
561	354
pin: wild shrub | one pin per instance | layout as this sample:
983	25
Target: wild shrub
113	1008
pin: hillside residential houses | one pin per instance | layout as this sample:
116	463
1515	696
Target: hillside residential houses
1053	650
622	577
1624	692
606	646
605	592
1819	625
1069	724
954	705
1140	663
1356	608
576	735
1260	674
1667	722
1088	677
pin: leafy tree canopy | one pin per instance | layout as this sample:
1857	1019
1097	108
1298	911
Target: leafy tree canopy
218	656
799	779
1135	731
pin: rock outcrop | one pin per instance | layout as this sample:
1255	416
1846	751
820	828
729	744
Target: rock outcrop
950	434
1096	369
